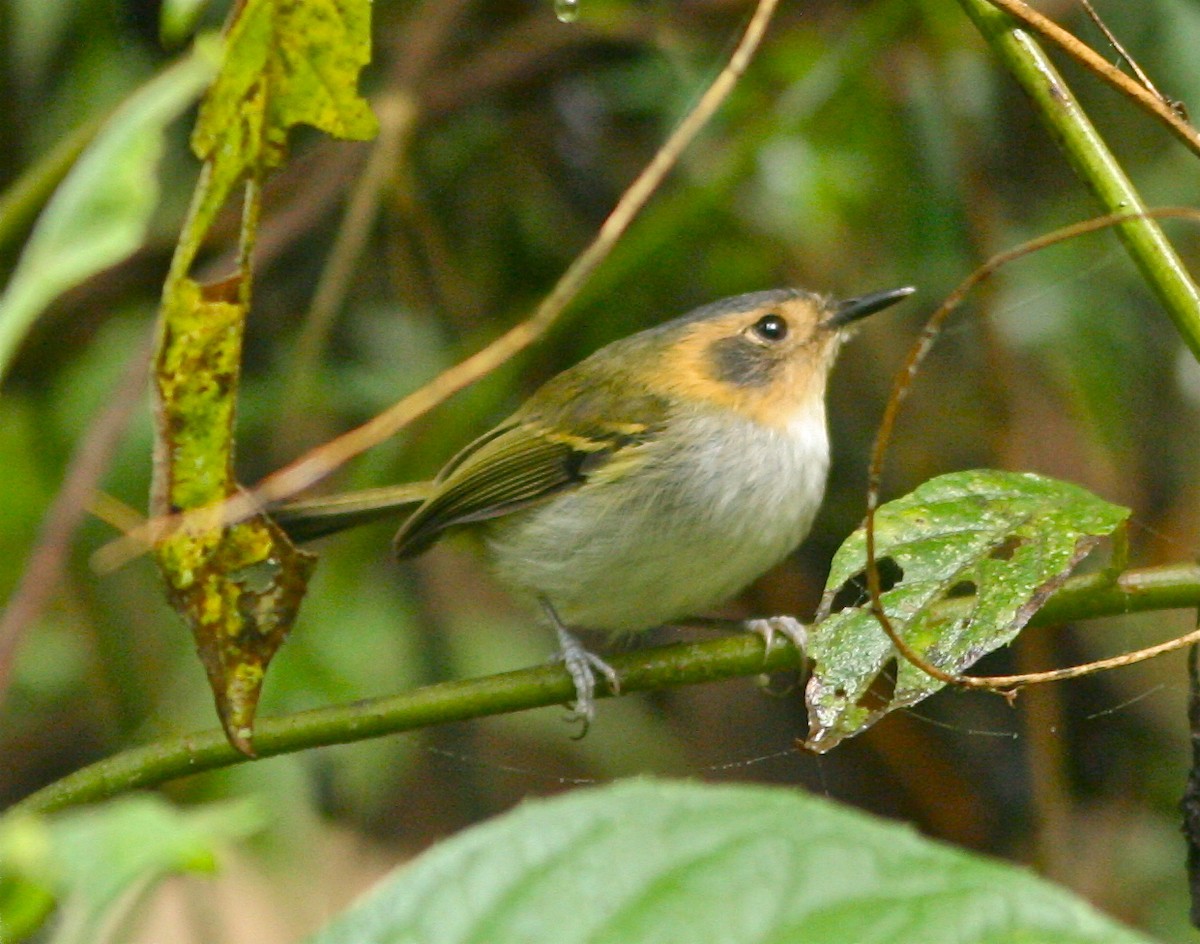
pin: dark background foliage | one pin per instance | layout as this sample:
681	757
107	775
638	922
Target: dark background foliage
871	144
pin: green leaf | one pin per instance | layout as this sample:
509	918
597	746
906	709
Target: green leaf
100	212
92	862
657	862
996	544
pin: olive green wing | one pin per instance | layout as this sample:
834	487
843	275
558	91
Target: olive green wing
509	468
531	455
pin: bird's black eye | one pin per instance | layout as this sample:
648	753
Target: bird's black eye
771	328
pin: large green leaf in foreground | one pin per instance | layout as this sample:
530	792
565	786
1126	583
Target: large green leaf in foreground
645	862
994	545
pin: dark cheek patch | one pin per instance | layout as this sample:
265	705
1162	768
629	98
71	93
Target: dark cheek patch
737	361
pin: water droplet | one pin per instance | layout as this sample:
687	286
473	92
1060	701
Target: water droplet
567	11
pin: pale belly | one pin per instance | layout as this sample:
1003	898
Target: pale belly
696	526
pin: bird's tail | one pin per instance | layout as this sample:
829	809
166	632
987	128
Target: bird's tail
316	517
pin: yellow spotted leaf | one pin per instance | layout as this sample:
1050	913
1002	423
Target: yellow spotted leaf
237	586
286	62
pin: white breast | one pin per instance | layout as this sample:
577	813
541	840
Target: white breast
687	530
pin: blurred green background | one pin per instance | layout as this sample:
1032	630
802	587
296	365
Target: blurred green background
871	144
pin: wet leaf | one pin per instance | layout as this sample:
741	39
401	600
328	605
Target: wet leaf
238	586
995	543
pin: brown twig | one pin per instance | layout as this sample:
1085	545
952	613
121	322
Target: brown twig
426	32
1006	684
1123	53
1165	111
319	462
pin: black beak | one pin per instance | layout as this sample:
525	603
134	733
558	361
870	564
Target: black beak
852	309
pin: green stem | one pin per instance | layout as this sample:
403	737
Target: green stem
1088	596
1094	164
655	668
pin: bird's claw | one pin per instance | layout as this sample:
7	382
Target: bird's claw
582	666
788	627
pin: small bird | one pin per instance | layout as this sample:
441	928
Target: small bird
649	482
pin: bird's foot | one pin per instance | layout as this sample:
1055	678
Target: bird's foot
788	627
582	666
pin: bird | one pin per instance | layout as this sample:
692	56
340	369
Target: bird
649	482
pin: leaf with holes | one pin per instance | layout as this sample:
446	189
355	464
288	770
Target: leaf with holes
239	586
996	544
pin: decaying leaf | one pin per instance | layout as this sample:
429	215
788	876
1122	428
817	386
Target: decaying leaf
237	586
286	63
